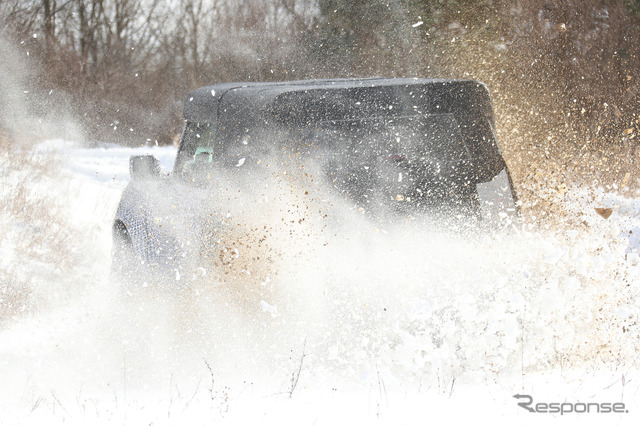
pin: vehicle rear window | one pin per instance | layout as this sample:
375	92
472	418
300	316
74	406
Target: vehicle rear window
430	138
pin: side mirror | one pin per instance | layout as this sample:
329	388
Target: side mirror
144	167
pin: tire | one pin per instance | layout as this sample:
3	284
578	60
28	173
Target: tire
125	263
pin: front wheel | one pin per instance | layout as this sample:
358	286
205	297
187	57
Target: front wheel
126	266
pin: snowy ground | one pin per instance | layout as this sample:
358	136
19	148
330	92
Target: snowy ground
396	327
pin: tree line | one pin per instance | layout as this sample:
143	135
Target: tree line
565	69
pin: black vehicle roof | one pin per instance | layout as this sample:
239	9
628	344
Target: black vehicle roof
253	100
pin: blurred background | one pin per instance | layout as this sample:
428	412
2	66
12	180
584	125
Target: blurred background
564	75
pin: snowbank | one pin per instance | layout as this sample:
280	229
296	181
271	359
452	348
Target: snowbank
387	326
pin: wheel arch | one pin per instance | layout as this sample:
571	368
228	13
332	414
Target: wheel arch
119	230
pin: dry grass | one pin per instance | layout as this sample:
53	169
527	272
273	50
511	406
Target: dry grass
37	243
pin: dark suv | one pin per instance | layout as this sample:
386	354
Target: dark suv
388	147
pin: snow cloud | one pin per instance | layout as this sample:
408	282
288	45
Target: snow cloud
27	110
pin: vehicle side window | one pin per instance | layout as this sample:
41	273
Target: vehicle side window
197	144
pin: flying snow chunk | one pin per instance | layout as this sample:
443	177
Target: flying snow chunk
213	92
417	24
240	162
272	309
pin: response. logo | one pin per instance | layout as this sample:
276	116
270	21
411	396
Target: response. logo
569	407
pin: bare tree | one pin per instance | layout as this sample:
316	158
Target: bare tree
131	60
